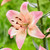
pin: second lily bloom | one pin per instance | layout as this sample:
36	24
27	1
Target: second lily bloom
4	1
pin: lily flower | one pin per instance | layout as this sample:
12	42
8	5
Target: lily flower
48	30
23	20
6	49
41	48
4	1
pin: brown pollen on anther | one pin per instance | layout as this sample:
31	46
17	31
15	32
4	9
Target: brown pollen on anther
16	17
16	28
20	26
16	22
12	20
19	19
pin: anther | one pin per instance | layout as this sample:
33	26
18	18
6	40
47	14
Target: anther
19	19
16	29
12	20
16	22
20	26
16	17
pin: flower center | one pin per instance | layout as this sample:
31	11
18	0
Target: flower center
26	25
19	21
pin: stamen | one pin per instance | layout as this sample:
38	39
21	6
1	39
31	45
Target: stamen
16	17
12	20
16	22
16	28
20	26
19	19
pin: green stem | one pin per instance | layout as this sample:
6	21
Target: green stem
38	5
42	28
44	42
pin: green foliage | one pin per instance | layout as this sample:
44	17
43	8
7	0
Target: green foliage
5	41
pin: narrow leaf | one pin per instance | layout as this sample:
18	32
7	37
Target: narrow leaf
36	46
34	5
47	14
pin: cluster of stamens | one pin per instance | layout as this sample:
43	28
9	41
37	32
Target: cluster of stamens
17	22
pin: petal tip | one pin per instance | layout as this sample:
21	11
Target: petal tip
48	30
41	48
19	43
4	1
8	12
43	36
24	5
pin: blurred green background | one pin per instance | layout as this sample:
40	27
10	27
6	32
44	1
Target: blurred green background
5	40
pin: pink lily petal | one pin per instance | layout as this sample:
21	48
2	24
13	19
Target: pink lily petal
25	12
48	36
23	8
15	17
35	32
11	15
12	31
41	48
48	31
20	37
4	1
36	15
6	49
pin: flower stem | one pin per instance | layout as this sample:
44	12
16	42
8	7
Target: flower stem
42	28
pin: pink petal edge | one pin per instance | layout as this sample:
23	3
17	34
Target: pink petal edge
35	32
48	30
4	1
41	48
12	31
24	6
36	15
6	49
24	11
20	37
11	14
